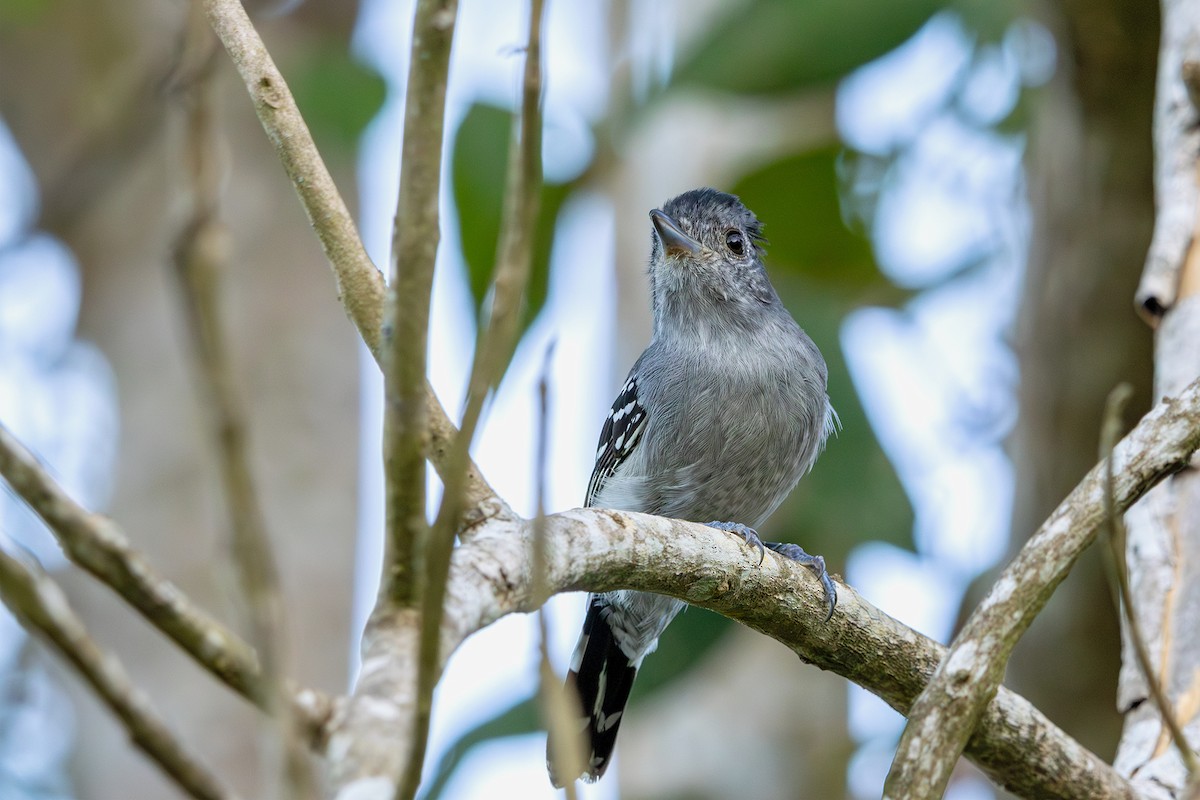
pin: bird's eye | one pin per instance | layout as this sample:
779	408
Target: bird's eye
735	242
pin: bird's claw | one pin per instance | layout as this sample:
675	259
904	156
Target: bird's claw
749	535
815	564
793	552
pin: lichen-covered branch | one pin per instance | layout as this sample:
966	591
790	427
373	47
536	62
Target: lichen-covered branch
97	545
600	550
43	608
1176	142
1163	547
949	709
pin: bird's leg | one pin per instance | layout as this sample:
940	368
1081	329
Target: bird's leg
748	534
815	564
794	552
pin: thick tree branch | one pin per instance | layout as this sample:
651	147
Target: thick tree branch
601	550
97	545
360	285
949	709
38	602
1110	430
1163	547
1176	181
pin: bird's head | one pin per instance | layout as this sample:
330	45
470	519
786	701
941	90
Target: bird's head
706	261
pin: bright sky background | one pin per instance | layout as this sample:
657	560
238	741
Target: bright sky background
58	397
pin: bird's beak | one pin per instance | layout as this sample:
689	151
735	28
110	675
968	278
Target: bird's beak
673	239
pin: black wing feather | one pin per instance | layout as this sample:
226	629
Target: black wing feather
618	437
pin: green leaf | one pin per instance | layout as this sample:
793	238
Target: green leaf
797	200
480	163
769	46
337	94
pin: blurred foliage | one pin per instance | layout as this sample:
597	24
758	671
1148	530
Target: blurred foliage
822	271
797	200
692	634
23	11
480	164
518	719
772	46
337	94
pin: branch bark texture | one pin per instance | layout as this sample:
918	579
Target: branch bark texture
601	550
97	545
1176	142
38	602
1163	546
949	709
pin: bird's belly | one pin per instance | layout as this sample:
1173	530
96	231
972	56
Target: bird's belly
734	472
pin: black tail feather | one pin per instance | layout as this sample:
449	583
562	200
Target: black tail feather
601	675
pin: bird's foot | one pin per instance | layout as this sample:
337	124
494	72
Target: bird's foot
815	564
748	534
793	552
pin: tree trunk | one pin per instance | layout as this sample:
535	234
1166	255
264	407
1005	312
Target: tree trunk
1163	549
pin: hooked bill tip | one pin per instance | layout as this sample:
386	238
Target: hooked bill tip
672	236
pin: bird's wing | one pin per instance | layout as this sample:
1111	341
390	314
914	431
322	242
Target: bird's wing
619	436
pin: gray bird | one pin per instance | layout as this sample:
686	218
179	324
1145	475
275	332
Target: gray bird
717	420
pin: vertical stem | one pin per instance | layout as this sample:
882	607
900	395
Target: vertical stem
201	255
493	346
415	237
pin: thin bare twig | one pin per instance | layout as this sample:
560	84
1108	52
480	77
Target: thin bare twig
1110	432
948	710
201	255
43	608
494	343
97	545
415	236
360	285
565	750
496	339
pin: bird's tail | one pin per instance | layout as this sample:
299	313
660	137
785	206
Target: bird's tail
602	676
